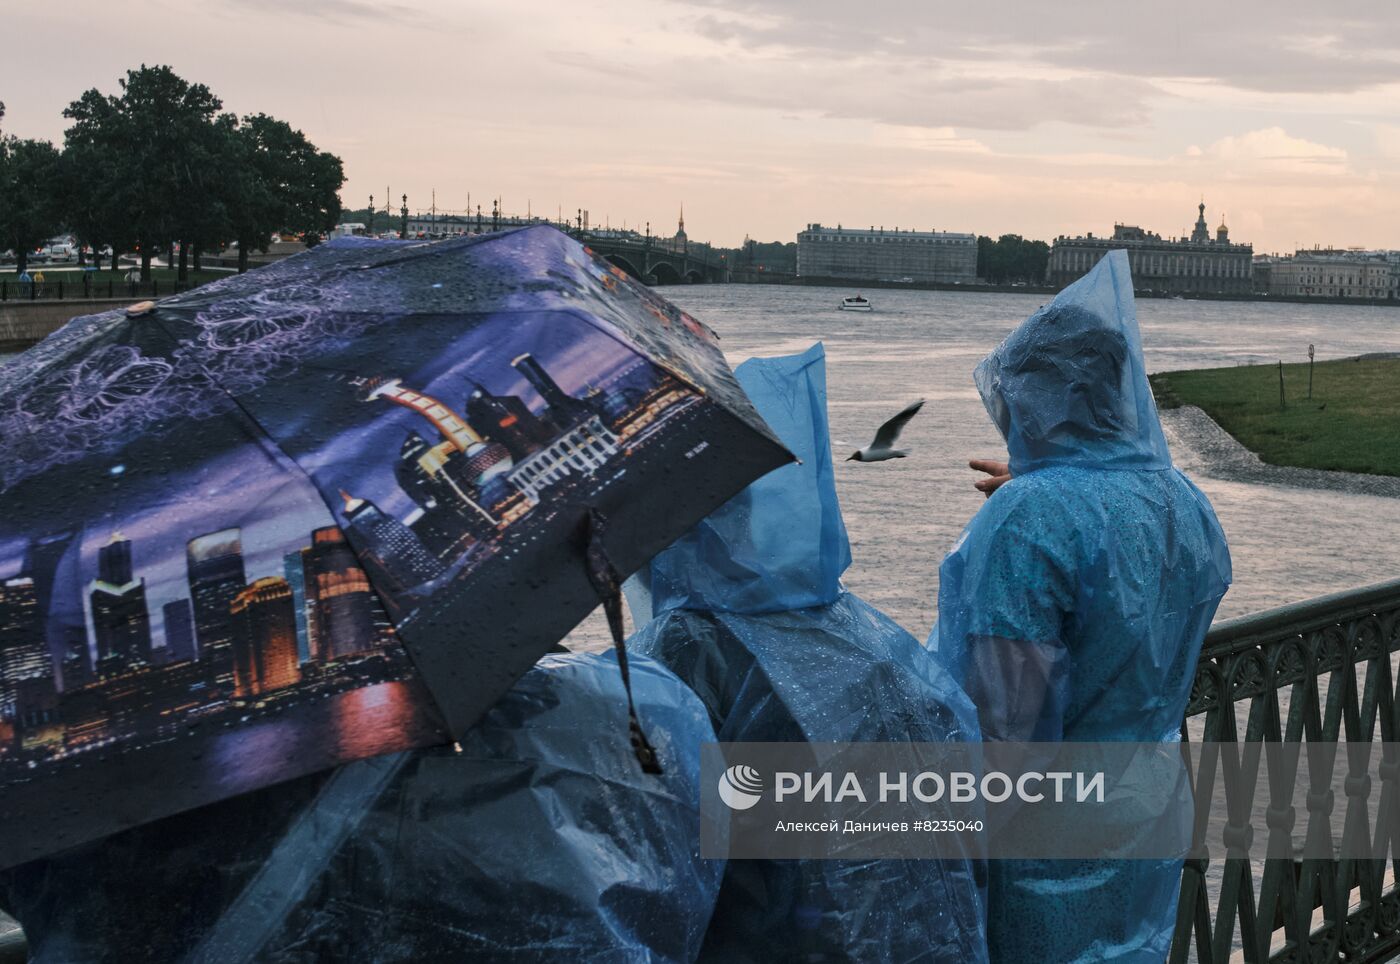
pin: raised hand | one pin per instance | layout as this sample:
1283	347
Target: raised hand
999	472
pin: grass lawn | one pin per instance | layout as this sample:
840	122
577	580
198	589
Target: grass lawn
1351	424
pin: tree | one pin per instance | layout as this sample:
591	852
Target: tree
1011	258
92	193
29	214
158	137
277	181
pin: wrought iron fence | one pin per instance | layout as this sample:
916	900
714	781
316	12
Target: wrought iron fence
1322	671
87	288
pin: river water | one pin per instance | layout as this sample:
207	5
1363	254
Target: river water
1288	544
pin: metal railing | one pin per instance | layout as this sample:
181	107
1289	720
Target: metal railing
1321	671
86	289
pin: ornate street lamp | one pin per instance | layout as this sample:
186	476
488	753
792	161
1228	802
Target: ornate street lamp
403	217
370	229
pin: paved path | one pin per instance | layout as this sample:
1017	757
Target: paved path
1203	446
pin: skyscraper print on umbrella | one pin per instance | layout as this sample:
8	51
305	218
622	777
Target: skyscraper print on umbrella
326	510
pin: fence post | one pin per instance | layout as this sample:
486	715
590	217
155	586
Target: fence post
1281	406
60	289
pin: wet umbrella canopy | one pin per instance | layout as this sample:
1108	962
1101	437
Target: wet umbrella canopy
328	510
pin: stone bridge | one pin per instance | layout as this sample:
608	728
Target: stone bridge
655	261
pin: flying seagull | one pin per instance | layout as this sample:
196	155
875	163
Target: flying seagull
883	446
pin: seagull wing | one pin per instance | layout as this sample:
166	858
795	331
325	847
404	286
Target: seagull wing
888	433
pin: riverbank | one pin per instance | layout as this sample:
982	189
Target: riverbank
1345	438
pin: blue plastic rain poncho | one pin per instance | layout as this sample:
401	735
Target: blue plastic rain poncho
1074	605
540	839
749	610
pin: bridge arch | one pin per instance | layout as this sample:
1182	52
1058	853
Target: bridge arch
618	261
694	277
665	273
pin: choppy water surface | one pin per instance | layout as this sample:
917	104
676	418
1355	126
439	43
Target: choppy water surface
903	516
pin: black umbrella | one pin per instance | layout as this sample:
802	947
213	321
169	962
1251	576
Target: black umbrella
330	509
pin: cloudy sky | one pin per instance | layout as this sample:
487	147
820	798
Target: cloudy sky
762	115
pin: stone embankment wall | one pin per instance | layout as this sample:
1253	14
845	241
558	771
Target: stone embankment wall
24	323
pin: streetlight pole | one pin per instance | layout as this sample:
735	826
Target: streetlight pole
403	218
370	230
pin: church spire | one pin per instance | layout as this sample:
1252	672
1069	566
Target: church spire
1201	232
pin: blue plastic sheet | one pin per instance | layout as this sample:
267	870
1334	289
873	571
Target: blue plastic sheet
1074	605
751	613
539	839
780	543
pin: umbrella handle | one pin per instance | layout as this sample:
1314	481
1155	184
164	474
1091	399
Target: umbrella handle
608	584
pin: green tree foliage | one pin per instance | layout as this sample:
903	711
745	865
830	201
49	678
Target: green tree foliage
90	184
769	257
160	136
159	164
278	180
1012	258
29	211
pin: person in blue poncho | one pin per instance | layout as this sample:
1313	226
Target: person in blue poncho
538	838
749	610
1074	605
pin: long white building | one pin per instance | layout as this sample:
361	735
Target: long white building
877	254
1333	273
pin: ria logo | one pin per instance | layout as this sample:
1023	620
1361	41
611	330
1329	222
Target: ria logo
740	787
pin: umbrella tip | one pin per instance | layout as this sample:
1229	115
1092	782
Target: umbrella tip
140	308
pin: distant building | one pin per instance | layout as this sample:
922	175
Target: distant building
584	448
509	421
294	571
1200	264
879	255
453	225
121	622
392	553
563	409
1332	273
179	630
215	564
264	638
340	602
24	652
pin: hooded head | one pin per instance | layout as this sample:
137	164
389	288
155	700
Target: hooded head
1069	387
780	544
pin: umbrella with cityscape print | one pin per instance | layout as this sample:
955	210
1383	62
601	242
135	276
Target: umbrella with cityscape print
329	509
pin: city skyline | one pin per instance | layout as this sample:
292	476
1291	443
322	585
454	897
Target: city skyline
270	519
762	116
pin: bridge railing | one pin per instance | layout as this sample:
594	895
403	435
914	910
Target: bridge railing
85	289
1321	671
